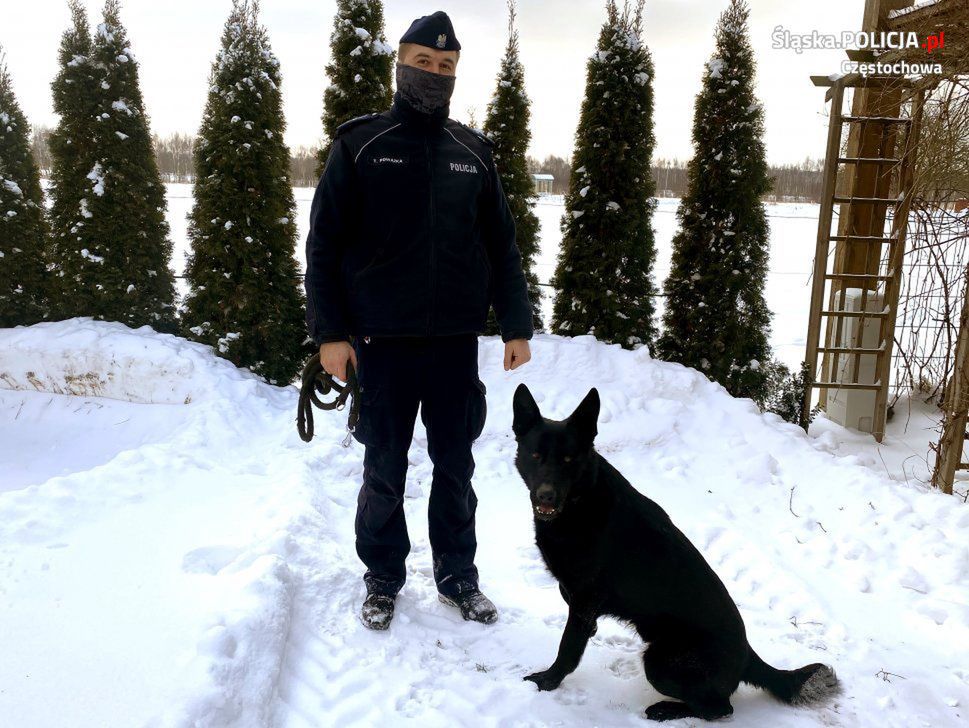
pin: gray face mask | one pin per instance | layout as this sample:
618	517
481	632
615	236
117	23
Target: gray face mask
429	93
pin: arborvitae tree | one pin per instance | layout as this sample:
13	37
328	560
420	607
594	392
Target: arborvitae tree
245	298
506	124
124	203
716	319
74	259
24	294
603	278
360	68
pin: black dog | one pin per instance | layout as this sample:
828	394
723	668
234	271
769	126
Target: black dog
615	552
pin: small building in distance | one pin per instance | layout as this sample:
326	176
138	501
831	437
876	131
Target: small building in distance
543	183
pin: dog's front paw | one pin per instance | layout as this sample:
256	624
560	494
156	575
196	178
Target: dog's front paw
546	679
669	710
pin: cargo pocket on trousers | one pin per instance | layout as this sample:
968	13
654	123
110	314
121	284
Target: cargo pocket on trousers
477	409
368	426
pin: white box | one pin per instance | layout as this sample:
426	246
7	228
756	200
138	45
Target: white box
854	408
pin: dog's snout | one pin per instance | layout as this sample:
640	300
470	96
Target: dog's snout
545	494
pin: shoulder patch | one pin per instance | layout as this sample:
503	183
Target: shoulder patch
354	121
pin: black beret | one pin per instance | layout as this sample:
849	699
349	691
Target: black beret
433	31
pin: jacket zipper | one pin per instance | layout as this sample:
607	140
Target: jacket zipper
432	289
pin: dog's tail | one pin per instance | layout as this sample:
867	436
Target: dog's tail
804	686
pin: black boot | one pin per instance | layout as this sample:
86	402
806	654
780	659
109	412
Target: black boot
474	606
377	611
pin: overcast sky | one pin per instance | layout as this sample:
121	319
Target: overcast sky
175	41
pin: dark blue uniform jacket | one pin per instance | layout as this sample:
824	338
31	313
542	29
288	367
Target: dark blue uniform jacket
411	234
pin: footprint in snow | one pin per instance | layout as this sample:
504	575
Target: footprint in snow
556	621
933	612
913	580
621	642
624	667
535	574
209	559
710	535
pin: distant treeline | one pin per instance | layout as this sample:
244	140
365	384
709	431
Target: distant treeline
175	163
792	182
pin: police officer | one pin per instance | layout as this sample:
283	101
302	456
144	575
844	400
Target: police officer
411	241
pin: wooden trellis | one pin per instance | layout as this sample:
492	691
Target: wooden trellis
877	174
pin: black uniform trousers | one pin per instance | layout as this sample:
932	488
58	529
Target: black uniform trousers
439	375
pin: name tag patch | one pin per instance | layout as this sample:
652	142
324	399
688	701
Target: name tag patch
393	161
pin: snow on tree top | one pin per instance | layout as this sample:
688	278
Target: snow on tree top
716	66
105	31
631	40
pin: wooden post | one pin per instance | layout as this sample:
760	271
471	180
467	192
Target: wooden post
868	140
893	287
955	410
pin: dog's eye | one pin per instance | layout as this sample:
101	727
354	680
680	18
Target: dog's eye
536	455
567	458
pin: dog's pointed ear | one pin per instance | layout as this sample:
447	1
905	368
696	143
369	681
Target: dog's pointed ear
526	414
583	421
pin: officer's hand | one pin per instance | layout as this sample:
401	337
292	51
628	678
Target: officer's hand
516	353
334	357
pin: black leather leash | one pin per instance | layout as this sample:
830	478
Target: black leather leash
316	381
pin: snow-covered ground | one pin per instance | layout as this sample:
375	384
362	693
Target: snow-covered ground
171	554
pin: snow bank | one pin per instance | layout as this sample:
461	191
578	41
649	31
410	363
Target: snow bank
106	359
